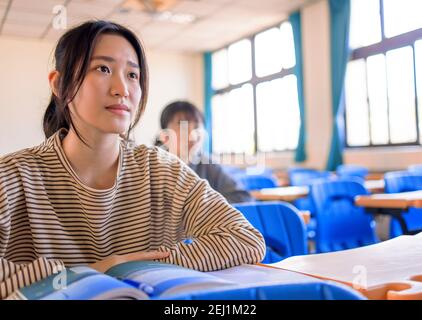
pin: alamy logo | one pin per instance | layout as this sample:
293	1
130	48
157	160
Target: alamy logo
361	279
60	280
60	17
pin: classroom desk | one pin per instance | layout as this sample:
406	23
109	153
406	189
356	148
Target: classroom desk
288	194
393	204
293	193
390	269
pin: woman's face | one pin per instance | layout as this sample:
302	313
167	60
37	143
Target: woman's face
110	92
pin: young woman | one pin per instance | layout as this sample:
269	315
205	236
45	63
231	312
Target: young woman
180	116
86	196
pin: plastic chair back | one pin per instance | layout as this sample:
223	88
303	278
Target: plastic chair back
305	177
256	182
415	168
350	170
280	224
404	181
340	224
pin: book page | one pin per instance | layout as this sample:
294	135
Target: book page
161	279
262	275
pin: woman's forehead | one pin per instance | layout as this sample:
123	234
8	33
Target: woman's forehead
116	47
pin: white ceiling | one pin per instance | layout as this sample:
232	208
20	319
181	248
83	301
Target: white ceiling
218	22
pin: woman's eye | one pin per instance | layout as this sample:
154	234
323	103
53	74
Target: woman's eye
133	75
104	69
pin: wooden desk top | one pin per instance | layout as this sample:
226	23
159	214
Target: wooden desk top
293	193
387	270
282	193
403	200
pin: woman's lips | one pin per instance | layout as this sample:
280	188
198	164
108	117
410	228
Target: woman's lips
119	109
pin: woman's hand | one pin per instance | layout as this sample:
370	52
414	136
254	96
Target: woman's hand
107	263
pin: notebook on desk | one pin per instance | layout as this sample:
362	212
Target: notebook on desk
387	270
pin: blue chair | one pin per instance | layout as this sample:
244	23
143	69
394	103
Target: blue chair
415	168
256	182
305	177
404	181
297	291
233	170
350	170
280	224
340	224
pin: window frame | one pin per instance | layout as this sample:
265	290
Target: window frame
254	81
382	47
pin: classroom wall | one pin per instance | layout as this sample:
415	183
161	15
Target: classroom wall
316	71
172	76
25	92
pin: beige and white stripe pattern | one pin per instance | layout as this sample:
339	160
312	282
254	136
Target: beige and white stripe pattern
47	213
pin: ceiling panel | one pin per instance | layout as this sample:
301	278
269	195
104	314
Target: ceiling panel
218	22
273	5
88	9
28	18
197	8
19	30
42	7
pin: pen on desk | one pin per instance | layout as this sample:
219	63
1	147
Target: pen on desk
139	285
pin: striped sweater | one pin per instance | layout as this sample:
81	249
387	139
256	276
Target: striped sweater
49	219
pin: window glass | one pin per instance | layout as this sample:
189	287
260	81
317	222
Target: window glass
268	52
220	78
401	95
240	61
357	118
365	23
401	16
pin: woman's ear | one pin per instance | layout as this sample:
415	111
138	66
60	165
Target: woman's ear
53	79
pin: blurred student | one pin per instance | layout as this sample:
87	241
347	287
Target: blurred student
182	134
87	196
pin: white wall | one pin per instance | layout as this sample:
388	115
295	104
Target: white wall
24	90
172	76
316	72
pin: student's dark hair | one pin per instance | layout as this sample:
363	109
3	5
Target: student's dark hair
72	57
180	106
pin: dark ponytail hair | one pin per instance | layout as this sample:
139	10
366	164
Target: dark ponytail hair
72	56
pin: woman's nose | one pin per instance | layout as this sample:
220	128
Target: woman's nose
119	86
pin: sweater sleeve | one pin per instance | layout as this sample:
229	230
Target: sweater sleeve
220	236
13	275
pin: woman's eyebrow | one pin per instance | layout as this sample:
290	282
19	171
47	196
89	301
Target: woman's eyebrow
110	59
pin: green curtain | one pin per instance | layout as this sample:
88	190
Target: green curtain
339	35
295	20
208	93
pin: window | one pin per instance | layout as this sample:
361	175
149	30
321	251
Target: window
255	106
384	76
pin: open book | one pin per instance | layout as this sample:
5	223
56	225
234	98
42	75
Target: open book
129	280
152	280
